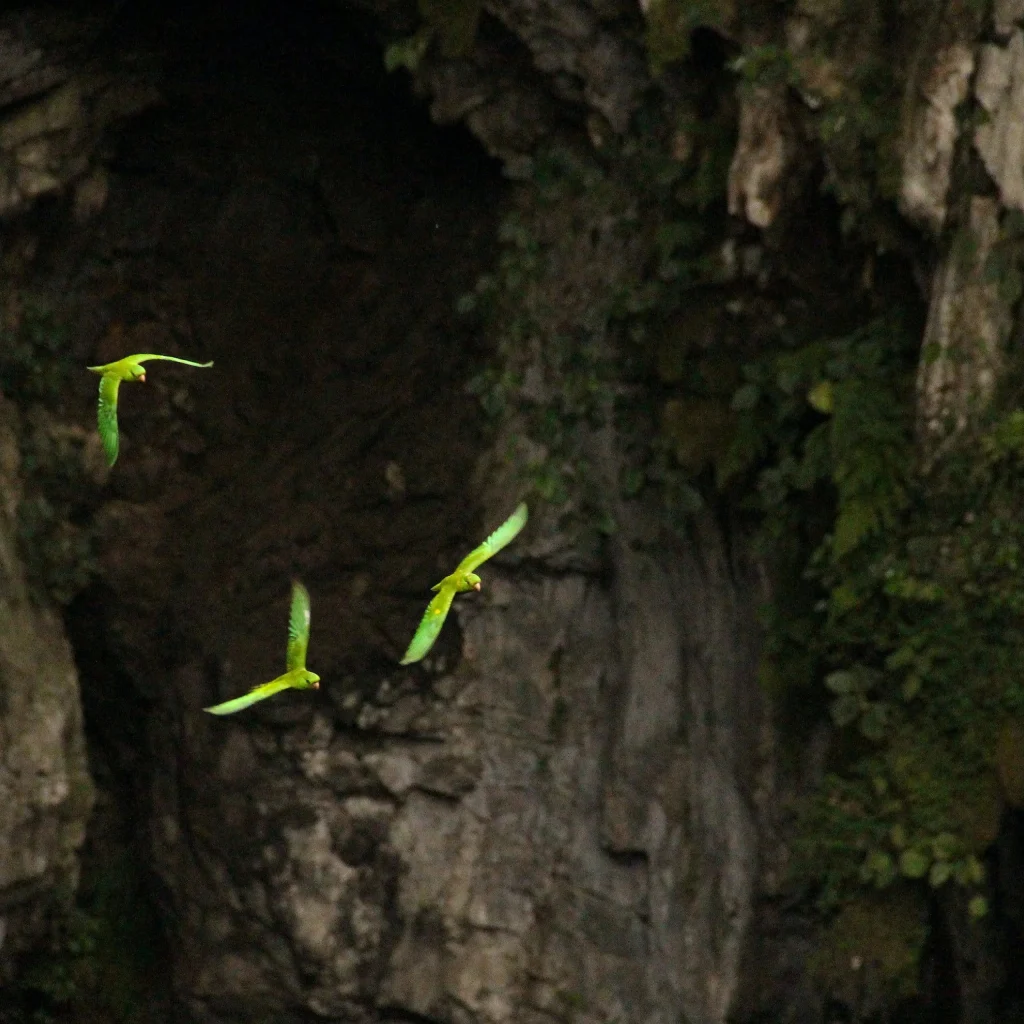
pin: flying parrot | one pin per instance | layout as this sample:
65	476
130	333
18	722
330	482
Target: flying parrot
111	375
459	581
296	676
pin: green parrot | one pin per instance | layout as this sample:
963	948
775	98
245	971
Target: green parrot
111	375
459	581
296	676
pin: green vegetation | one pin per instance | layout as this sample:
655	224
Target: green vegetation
909	613
598	265
876	941
618	302
99	960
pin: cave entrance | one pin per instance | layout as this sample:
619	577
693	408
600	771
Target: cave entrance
288	211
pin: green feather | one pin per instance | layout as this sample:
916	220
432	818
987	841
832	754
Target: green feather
128	368
298	628
437	611
430	625
107	415
146	356
296	676
257	693
501	537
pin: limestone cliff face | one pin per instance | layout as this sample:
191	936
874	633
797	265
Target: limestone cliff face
45	790
56	101
573	810
509	852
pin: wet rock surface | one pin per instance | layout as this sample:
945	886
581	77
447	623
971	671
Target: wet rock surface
477	838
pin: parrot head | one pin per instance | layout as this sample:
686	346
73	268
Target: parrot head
138	372
472	581
311	679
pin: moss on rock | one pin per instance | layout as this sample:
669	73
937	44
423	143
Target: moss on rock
874	941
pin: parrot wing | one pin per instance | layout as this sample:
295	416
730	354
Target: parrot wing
107	415
502	536
146	356
257	693
298	628
430	625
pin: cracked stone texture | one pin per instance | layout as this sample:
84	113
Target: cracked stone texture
967	328
56	102
554	60
45	790
931	135
829	45
1000	139
575	821
940	60
568	821
616	786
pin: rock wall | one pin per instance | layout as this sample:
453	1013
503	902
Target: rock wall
571	811
45	790
58	97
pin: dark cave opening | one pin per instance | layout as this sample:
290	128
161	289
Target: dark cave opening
288	210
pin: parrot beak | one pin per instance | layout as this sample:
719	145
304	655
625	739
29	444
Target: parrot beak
142	378
476	586
316	686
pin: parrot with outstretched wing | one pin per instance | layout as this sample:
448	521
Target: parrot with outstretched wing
296	676
461	580
111	375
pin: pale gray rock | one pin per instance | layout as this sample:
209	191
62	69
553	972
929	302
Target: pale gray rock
757	174
574	830
606	859
1000	139
968	324
46	793
687	753
1007	14
577	62
929	139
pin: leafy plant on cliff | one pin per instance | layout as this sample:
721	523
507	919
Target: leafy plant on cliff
601	250
911	616
553	374
898	599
